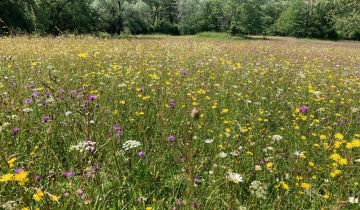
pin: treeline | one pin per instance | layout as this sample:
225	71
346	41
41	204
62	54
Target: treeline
329	19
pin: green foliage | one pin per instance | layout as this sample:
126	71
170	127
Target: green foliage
137	17
300	18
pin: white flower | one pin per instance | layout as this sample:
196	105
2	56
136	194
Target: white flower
354	110
257	168
277	138
299	154
130	144
234	153
317	93
258	189
27	110
89	146
353	200
222	154
68	113
208	141
235	177
79	147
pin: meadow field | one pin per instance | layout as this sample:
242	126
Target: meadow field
179	123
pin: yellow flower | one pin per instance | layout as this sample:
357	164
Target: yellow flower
335	157
343	161
225	111
322	137
311	164
11	162
339	136
83	55
25	208
54	197
269	165
305	185
148	208
38	195
284	185
201	91
335	173
21	178
6	178
353	143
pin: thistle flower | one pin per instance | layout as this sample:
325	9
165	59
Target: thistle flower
92	97
45	118
171	138
141	154
15	131
303	109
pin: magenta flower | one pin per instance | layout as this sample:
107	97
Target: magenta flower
27	101
304	109
19	170
141	154
15	131
34	94
45	118
67	174
118	129
92	97
171	138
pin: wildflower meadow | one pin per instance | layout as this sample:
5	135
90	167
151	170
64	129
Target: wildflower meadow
179	123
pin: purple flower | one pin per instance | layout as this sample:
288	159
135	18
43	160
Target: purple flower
141	154
47	95
185	72
197	179
15	131
19	170
171	138
67	174
37	178
34	94
27	101
304	109
92	97
118	129
66	194
172	104
45	118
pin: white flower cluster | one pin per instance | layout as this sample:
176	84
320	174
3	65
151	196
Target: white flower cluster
130	144
277	138
258	189
84	146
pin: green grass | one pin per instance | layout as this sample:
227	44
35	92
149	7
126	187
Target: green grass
175	122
